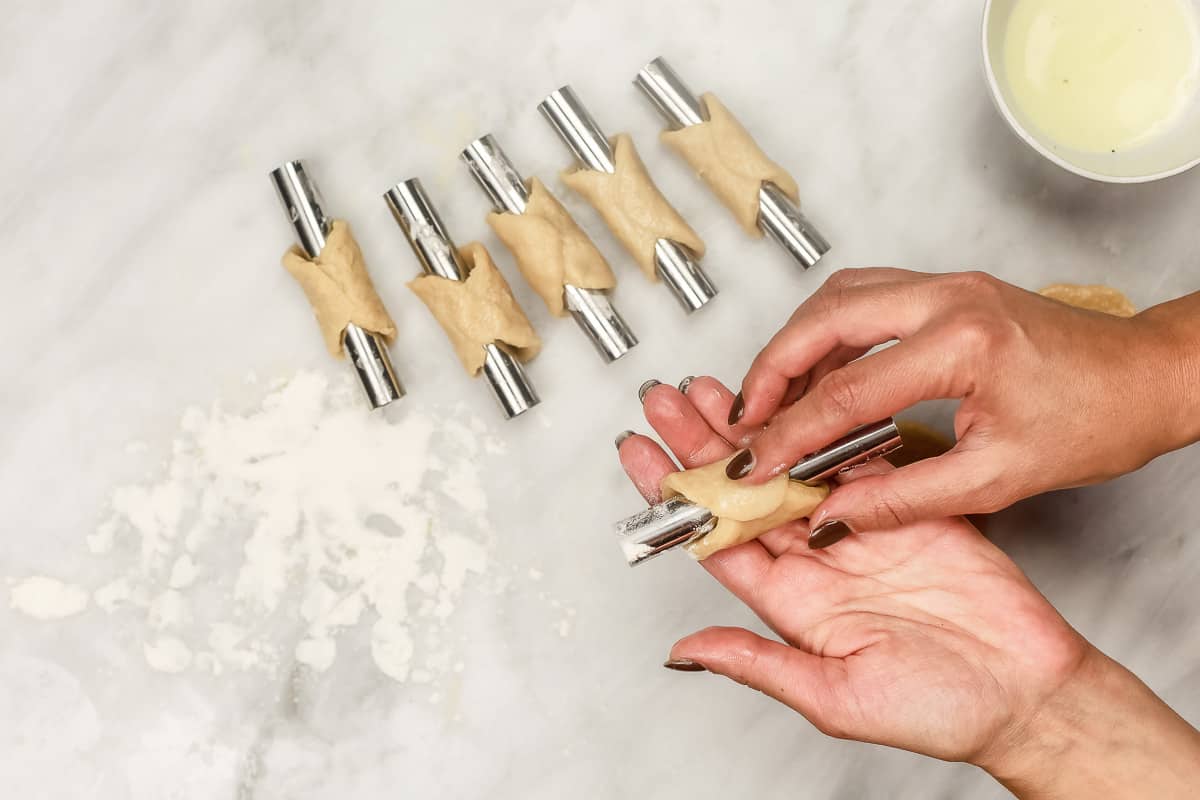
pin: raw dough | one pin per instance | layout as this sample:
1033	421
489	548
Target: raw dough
724	154
551	250
339	289
478	311
1104	299
920	442
633	207
743	512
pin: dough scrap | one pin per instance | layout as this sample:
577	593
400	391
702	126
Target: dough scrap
478	311
339	289
743	512
920	442
550	249
1104	299
726	157
633	207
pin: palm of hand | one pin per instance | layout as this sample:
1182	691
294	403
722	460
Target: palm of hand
926	637
929	636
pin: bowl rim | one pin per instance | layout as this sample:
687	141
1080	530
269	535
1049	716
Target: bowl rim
1019	128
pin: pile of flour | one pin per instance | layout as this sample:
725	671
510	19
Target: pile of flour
271	533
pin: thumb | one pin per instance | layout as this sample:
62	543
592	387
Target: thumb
802	681
956	483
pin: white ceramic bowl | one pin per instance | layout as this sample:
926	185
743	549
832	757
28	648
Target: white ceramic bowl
1168	153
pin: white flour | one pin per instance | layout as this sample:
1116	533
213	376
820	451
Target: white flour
47	598
273	533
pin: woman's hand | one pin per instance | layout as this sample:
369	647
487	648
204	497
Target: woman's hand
1052	396
931	640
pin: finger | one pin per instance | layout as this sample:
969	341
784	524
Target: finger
802	540
854	277
682	427
869	389
789	538
802	681
835	360
646	464
739	569
876	466
960	482
796	388
713	400
841	313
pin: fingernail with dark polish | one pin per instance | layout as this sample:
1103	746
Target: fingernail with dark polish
828	533
621	437
683	665
645	387
737	409
740	466
685	383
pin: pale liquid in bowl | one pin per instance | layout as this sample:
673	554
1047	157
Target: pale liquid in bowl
1102	75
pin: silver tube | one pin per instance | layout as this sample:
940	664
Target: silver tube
605	327
661	528
496	175
678	104
675	264
780	219
304	206
852	450
676	522
778	216
306	211
686	280
591	308
578	129
435	250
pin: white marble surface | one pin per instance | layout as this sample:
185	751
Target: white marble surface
142	277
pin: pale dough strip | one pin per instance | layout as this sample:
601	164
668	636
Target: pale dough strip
633	207
478	311
550	249
726	157
1104	299
743	512
339	289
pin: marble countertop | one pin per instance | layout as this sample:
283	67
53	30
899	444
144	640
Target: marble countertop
142	279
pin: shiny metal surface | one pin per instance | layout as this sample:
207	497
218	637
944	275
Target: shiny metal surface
852	450
437	254
367	351
591	308
508	382
778	216
661	528
678	104
575	126
605	327
682	275
675	522
304	206
497	176
426	233
780	219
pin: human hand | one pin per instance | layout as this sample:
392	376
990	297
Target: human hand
933	642
1051	396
